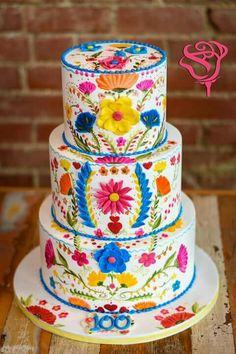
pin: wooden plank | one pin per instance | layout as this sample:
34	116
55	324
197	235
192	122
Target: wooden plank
214	333
177	344
123	349
60	345
227	211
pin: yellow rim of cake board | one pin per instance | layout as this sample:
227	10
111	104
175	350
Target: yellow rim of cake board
134	340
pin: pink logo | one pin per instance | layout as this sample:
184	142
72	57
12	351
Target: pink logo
208	55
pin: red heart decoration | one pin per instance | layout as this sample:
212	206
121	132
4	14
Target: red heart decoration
76	165
114	227
123	309
110	307
147	165
100	309
114	218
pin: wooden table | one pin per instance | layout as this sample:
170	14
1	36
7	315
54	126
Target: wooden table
216	233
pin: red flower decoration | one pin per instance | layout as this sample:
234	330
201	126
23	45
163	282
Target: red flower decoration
42	302
43	314
49	254
176	319
63	314
147	259
113	62
56	307
80	258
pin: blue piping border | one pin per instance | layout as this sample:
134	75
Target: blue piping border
114	155
77	233
116	312
163	59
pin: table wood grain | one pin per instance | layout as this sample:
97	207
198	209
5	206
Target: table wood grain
216	234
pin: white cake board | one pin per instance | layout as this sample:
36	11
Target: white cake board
148	326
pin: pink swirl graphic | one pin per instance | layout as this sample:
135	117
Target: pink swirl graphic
208	55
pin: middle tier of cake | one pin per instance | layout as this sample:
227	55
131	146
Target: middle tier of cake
117	198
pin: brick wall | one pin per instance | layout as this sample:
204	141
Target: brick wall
34	33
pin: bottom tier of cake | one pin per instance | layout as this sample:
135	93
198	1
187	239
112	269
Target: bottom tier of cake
100	275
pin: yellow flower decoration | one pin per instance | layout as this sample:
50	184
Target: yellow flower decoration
117	116
65	164
68	110
95	279
126	280
160	166
179	223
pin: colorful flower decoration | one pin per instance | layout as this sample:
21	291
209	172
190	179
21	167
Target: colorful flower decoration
144	305
98	233
115	159
117	82
42	314
96	279
139	232
65	164
117	116
113	62
68	110
49	254
80	258
126	280
182	258
103	171
160	166
163	185
176	285
52	282
150	118
87	87
120	141
65	184
84	122
145	85
113	197
89	47
136	49
78	302
147	259
175	319
120	53
112	259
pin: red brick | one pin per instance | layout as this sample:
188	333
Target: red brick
179	79
224	19
16	180
159	20
221	134
44	180
226	80
43	77
207	158
31	157
10	19
10	78
64	19
51	48
43	131
14	48
15	133
201	108
231	44
190	133
30	106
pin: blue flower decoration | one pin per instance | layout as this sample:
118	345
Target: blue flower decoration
120	53
84	122
89	47
136	49
112	259
176	285
150	118
52	283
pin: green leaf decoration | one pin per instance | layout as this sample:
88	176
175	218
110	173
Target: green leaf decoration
196	308
155	217
82	294
153	243
77	243
26	302
71	221
62	259
169	261
140	297
81	143
106	140
160	135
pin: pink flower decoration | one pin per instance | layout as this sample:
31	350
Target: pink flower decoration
120	141
56	307
173	160
87	87
113	197
115	159
147	259
98	233
42	302
145	85
63	314
80	258
113	62
158	318
139	232
182	258
178	158
49	254
164	311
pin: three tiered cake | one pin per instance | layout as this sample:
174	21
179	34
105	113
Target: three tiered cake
117	236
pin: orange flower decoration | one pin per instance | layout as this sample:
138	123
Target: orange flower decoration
65	184
118	82
144	305
163	185
79	302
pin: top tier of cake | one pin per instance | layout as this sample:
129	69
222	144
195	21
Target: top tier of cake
114	96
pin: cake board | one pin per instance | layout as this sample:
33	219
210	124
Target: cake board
46	312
